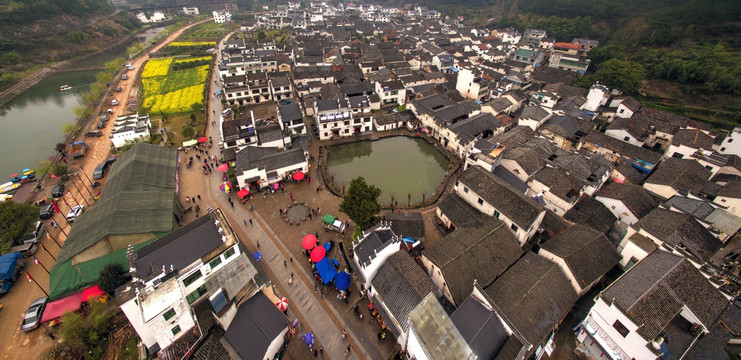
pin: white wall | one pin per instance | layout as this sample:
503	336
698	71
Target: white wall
618	209
414	346
604	316
621	134
437	277
565	269
732	205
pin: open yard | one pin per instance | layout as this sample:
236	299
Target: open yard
175	125
207	31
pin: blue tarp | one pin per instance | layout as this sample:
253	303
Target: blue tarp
325	270
408	239
342	281
7	264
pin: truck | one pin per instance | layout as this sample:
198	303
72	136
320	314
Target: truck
332	223
10	267
77	149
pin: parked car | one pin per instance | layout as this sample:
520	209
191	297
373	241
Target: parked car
124	77
118	89
46	212
94	133
114	102
110	110
35	235
32	318
104	117
75	212
102	168
57	191
100	125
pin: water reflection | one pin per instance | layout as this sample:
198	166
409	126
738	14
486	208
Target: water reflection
397	165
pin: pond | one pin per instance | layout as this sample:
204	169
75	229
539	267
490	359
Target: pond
397	165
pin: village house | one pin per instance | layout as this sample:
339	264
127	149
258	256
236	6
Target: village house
291	119
130	127
258	167
391	92
677	177
480	253
585	255
628	202
372	248
662	305
179	277
492	196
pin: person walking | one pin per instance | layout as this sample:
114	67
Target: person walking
344	333
347	351
285	265
258	244
251	223
245	222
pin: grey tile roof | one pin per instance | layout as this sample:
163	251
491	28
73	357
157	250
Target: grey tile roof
565	91
693	138
560	183
731	189
479	253
654	291
533	296
499	104
680	230
683	175
395	117
401	284
468	129
635	198
526	157
622	148
258	320
253	157
460	213
268	133
695	207
567	126
511	203
480	327
590	212
514	137
290	112
407	224
587	253
536	113
638	127
379	237
631	174
180	248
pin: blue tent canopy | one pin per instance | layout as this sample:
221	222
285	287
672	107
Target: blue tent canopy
342	281
325	270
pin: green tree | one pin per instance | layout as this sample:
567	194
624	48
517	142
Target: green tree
68	129
10	58
615	73
361	203
59	169
111	277
16	221
261	36
130	143
188	131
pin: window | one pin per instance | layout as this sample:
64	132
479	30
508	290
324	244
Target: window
481	201
465	190
621	328
677	155
395	92
229	253
192	278
627	138
514	227
722	149
175	330
709	167
496	214
325	126
730	141
169	314
193	296
215	262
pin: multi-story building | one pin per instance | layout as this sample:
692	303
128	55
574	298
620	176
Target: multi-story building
130	127
222	16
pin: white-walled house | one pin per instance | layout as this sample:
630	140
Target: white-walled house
533	117
729	198
130	127
372	248
259	167
222	16
199	263
597	96
391	92
628	202
472	86
585	255
492	196
728	146
663	294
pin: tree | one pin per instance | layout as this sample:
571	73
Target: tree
261	35
188	132
111	277
60	147
615	73
59	169
361	203
16	221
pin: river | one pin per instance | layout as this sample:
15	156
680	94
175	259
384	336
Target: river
32	122
397	165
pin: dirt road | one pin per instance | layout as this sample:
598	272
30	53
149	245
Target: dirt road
15	344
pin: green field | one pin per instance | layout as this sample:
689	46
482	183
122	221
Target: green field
170	91
207	31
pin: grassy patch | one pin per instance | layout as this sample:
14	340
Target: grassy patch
177	123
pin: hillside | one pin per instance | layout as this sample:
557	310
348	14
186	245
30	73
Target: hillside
36	32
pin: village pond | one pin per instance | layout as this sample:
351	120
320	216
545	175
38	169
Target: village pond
397	165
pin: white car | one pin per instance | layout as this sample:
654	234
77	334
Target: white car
75	212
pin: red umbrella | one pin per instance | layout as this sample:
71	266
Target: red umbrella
282	304
309	242
223	167
318	254
298	176
203	139
243	193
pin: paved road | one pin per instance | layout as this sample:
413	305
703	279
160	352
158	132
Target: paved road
314	314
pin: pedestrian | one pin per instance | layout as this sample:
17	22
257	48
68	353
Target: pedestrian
316	289
321	350
291	276
258	244
251	222
285	265
199	197
232	204
291	259
309	216
245	222
316	234
347	351
290	281
316	353
344	334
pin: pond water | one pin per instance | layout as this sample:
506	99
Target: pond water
397	165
